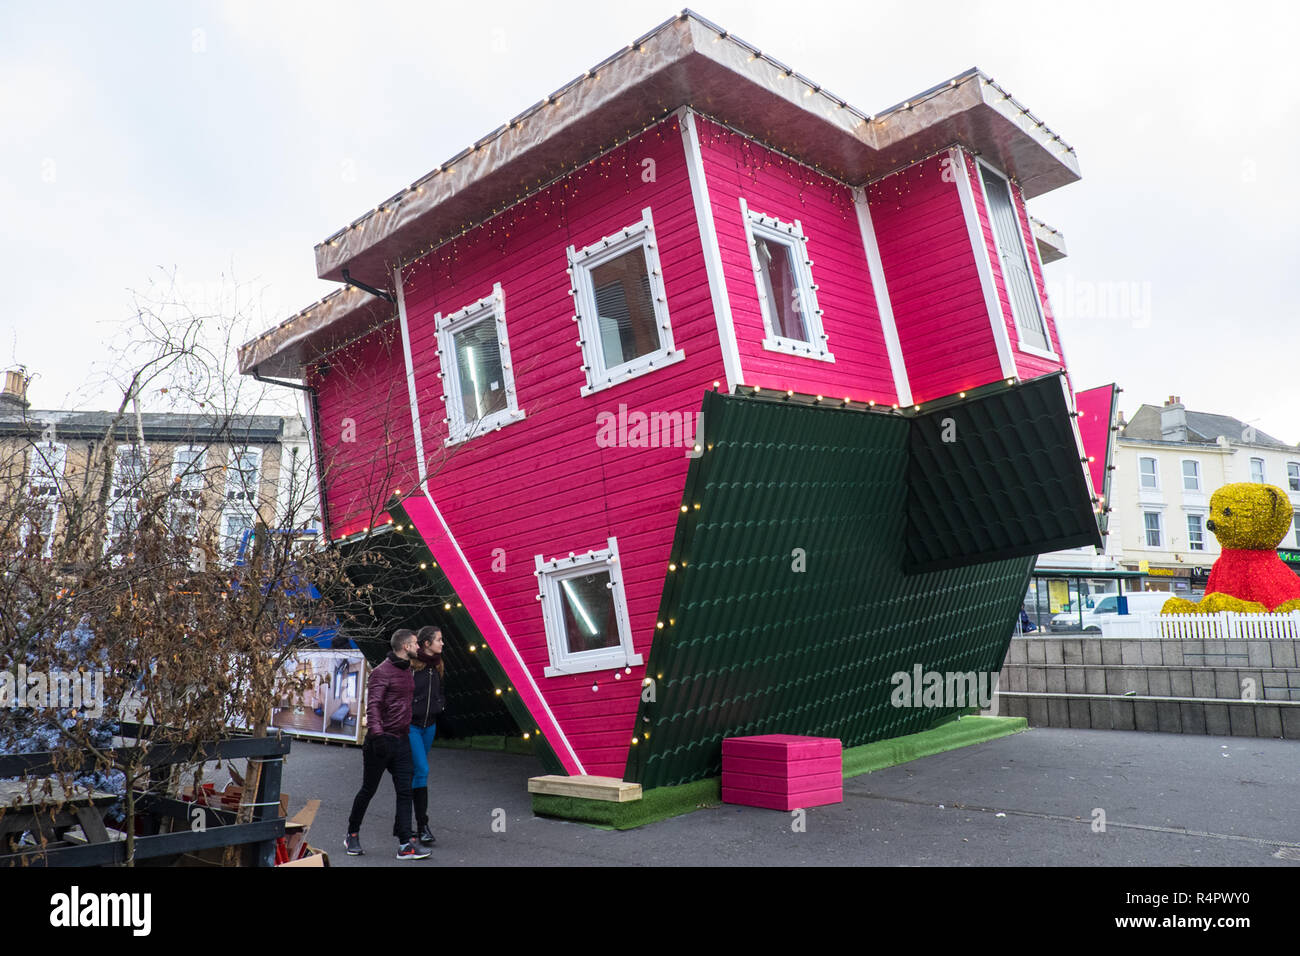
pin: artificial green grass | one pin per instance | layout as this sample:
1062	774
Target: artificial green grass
664	802
654	805
511	745
948	736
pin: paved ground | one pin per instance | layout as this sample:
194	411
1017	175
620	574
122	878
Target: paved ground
1028	799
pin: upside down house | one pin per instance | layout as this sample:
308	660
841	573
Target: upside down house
705	400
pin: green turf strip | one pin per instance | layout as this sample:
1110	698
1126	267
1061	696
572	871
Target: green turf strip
664	802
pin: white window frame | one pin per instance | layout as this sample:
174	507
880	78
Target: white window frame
192	479
1263	472
550	574
791	236
1160	531
1155	472
121	498
1047	353
1293	477
1295	525
1201	518
581	263
235	490
1196	466
57	454
490	308
226	515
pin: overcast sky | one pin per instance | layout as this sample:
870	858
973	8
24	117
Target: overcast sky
220	141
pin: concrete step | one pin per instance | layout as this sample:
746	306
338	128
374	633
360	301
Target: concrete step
1154	680
1185	715
1276	652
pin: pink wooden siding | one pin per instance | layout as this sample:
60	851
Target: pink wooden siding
365	437
542	485
934	286
1028	365
775	186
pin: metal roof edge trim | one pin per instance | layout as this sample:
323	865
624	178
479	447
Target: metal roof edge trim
690	33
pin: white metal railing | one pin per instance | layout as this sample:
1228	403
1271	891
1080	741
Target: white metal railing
1226	625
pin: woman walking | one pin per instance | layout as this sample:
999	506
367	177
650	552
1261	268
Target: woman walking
426	704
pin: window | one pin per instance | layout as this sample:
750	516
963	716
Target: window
130	467
1191	476
1152	522
1018	276
1147	473
622	310
1195	533
585	610
1297	529
1257	470
787	295
44	472
232	533
130	464
187	472
1293	475
478	382
242	474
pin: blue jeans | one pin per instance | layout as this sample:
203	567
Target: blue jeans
421	741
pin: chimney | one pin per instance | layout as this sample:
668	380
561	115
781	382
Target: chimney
15	390
1173	420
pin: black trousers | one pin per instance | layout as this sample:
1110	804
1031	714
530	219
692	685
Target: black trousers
379	754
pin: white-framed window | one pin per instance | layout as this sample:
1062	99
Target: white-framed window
234	524
585	609
621	307
1151	522
478	381
1195	532
1018	275
1257	470
243	474
130	465
187	472
1148	474
1191	475
1293	476
130	468
1296	523
45	467
787	295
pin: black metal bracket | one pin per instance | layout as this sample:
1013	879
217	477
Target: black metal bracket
386	296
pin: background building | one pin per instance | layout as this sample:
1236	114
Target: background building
224	473
1169	461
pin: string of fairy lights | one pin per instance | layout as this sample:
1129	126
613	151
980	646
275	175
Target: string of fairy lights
641	46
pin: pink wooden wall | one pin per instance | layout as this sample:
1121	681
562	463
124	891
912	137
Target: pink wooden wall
1028	365
542	485
775	186
930	269
363	396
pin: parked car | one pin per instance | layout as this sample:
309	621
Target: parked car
1105	608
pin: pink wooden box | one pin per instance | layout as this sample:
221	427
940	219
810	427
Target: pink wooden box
782	771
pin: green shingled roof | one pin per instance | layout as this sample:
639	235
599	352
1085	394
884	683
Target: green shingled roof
790	608
406	595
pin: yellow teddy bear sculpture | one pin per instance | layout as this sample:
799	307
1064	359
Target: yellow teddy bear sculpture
1250	520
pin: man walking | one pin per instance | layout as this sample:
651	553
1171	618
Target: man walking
388	719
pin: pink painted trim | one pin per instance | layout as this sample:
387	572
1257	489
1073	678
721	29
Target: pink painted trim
433	530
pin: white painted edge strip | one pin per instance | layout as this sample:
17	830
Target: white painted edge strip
555	724
985	268
712	250
902	387
420	465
